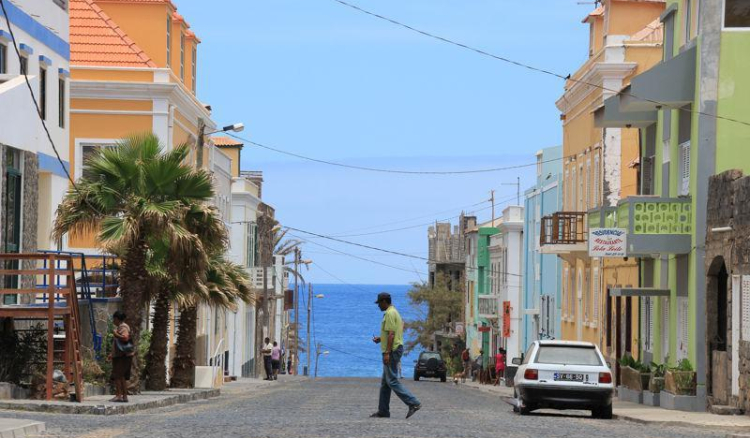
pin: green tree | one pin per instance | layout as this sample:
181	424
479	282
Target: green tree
439	306
130	196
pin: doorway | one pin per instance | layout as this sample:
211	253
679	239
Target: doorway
717	332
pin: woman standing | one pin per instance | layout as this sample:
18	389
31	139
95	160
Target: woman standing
122	354
500	366
276	360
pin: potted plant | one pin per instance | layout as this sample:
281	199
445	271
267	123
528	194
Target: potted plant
680	380
634	374
656	384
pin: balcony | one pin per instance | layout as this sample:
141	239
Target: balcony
656	225
564	234
488	306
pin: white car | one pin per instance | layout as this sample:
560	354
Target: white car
563	375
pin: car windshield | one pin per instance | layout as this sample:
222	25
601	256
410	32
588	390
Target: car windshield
428	356
567	355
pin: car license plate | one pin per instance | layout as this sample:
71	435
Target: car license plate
568	377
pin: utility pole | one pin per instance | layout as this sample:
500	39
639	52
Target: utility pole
518	189
309	312
296	311
492	200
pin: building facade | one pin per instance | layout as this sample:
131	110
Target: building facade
688	107
541	272
600	166
33	179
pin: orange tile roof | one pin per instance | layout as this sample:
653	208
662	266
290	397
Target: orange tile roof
225	141
599	11
652	33
97	40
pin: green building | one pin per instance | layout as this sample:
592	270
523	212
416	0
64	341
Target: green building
692	110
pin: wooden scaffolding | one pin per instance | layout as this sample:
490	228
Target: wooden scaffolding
45	287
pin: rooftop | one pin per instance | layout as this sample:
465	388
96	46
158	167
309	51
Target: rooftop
225	141
95	39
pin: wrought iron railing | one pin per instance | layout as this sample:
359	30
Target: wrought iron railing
563	227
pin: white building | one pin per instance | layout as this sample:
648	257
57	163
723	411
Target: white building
34	180
506	275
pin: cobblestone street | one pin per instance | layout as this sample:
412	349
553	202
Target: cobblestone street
340	408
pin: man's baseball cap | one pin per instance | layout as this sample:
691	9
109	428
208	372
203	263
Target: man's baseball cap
383	296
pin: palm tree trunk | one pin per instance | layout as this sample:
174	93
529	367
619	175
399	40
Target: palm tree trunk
133	278
156	369
183	366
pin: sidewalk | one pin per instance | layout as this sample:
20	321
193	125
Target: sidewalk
650	415
14	428
100	404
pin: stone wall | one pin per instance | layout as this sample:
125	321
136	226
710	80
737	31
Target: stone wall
728	206
30	215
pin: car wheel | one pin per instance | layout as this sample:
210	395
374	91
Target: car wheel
604	413
416	377
443	378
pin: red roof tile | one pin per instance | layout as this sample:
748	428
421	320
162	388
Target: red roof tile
97	40
225	141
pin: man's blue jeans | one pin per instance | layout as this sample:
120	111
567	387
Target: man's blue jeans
390	383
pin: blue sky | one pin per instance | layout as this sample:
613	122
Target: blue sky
320	79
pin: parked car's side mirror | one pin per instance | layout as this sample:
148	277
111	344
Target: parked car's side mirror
516	361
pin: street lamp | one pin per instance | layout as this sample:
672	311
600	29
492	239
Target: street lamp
309	312
237	127
317	356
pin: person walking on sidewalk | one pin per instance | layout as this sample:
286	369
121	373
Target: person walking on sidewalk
122	354
391	342
276	360
267	365
500	366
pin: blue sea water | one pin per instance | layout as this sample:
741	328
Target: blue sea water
345	320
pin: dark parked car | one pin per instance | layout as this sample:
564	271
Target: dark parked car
430	364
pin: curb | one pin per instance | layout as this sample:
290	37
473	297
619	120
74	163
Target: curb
686	424
21	428
123	409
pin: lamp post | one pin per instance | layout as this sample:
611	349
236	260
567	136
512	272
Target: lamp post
237	127
297	262
317	356
309	313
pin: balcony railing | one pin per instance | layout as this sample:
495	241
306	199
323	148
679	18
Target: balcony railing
563	228
656	225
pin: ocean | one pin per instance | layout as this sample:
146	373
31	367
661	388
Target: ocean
345	320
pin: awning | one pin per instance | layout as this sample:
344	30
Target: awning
669	83
639	292
609	115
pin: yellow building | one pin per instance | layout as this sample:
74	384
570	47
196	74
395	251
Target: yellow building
600	167
134	70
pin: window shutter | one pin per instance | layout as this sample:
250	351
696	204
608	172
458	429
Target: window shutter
685	168
565	293
651	305
590	182
597	293
745	308
682	327
665	327
596	180
551	312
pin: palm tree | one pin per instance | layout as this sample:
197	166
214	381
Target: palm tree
131	195
226	284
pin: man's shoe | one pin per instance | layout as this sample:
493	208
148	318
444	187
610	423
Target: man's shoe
379	415
413	410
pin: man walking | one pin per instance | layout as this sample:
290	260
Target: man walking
267	365
391	342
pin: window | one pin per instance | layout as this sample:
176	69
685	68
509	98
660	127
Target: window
61	102
566	188
682	328
566	308
745	308
169	40
12	221
586	302
685	168
89	150
182	57
24	65
556	355
596	180
528	354
736	14
590	183
581	189
43	93
688	22
3	59
647	323
195	63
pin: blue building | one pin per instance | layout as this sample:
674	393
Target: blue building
542	273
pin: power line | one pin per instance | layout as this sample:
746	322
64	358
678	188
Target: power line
383	170
530	67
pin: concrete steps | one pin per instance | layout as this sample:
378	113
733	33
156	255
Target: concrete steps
725	410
